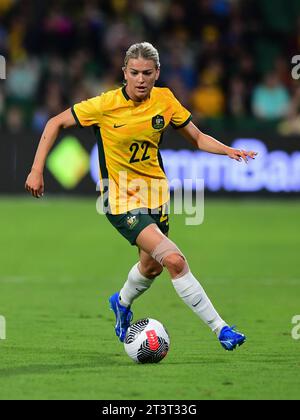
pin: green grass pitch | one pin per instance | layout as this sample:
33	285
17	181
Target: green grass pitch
60	261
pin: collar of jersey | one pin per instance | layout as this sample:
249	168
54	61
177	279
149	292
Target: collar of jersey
126	95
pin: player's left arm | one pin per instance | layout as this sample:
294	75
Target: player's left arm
209	144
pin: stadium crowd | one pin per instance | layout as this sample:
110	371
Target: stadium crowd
228	61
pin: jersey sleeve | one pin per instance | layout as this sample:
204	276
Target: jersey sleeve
87	113
180	116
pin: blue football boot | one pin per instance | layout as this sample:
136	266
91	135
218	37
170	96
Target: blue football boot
229	338
123	316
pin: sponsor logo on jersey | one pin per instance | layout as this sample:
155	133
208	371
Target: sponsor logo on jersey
119	125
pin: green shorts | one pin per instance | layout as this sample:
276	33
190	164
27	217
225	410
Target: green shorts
131	224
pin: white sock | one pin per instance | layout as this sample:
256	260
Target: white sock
192	293
134	287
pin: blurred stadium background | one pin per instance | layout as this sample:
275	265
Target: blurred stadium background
230	63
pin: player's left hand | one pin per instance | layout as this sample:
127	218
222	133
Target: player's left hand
239	155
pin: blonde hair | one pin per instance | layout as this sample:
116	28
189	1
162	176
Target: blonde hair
144	50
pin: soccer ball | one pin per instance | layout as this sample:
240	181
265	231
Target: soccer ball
147	341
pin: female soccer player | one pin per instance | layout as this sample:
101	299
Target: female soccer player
129	123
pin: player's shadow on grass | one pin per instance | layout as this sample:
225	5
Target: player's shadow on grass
46	369
94	363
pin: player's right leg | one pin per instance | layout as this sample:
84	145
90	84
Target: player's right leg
166	253
140	279
148	266
123	316
141	275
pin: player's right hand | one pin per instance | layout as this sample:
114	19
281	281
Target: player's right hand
35	184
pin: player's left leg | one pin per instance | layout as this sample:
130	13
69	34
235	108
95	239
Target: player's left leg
166	253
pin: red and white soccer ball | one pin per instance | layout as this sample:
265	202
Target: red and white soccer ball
147	341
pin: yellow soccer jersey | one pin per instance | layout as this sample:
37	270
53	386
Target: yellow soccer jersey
129	134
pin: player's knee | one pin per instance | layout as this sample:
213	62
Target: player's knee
151	270
169	255
176	264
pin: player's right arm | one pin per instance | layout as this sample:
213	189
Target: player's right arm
35	180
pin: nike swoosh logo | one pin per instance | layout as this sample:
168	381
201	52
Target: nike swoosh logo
227	343
197	303
118	126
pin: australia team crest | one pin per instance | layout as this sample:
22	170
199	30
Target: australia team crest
158	122
132	221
